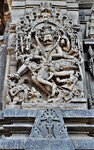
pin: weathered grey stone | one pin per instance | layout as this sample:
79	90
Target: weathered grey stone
11	144
49	132
3	54
1	114
10	113
84	144
49	144
77	128
14	113
14	121
1	37
49	124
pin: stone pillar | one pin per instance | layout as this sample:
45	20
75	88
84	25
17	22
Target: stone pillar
3	54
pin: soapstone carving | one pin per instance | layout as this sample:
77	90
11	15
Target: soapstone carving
48	53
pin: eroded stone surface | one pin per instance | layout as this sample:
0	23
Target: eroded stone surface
47	59
49	132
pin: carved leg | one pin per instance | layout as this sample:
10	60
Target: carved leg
41	80
54	87
64	73
45	82
40	86
23	69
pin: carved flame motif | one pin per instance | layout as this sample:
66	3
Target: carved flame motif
49	59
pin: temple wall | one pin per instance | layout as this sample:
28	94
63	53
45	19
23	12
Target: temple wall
47	75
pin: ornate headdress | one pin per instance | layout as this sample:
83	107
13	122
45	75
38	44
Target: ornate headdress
46	29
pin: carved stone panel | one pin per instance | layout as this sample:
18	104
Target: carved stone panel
49	132
49	125
47	60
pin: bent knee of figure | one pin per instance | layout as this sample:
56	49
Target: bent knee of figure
34	77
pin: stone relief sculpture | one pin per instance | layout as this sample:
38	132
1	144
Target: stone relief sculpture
91	59
49	59
90	34
49	129
50	125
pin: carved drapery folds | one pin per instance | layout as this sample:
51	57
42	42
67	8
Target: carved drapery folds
48	53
